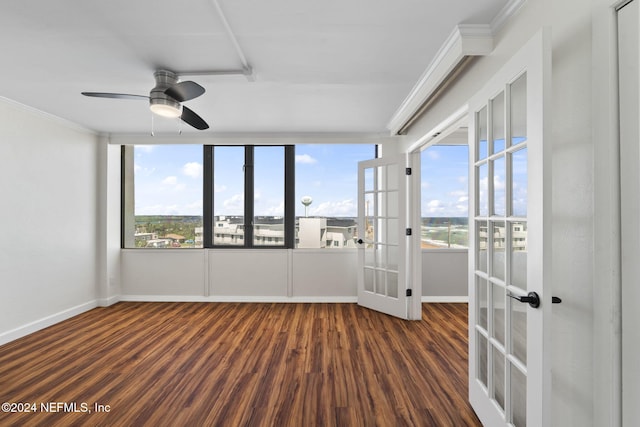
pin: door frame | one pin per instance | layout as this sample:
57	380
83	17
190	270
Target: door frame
459	118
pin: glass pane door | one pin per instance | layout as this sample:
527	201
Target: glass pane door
381	207
509	340
501	269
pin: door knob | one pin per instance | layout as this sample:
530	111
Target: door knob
532	299
360	241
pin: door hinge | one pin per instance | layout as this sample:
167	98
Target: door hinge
409	292
408	232
407	171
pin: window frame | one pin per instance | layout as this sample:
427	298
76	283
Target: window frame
127	196
249	187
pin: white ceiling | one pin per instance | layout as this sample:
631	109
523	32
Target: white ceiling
319	66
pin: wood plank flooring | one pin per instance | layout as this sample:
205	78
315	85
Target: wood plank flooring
227	364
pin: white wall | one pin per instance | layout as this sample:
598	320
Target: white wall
239	275
576	387
163	272
108	217
444	275
272	275
325	273
49	217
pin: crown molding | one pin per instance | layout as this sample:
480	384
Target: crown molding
463	42
510	9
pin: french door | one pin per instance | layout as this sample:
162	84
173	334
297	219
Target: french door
509	242
383	283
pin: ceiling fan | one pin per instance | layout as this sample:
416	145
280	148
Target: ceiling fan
166	98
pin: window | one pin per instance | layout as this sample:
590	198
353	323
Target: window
327	193
190	196
228	195
249	196
162	198
445	198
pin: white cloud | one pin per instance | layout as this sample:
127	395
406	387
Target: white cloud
445	208
170	180
462	209
139	170
433	155
234	205
219	188
158	210
194	208
192	169
347	207
272	210
458	193
305	159
433	207
144	148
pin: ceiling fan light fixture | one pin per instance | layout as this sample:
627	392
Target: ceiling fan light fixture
166	108
166	98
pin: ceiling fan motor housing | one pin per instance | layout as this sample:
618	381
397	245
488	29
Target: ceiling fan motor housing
161	103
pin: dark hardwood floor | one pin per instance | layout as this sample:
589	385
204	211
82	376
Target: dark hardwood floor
227	364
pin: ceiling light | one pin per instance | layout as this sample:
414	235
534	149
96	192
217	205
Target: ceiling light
166	110
164	106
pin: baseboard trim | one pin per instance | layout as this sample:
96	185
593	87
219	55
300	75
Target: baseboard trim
461	299
45	322
269	299
106	302
224	298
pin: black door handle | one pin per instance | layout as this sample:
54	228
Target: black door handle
359	241
533	299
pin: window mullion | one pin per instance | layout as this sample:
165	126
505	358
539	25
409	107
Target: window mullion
248	196
207	196
289	196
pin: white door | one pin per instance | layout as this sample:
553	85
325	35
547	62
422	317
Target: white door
509	242
382	238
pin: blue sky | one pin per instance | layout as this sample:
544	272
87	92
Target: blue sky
328	173
168	180
444	179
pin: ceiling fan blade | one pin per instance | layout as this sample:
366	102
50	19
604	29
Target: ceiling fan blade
184	91
115	95
191	118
